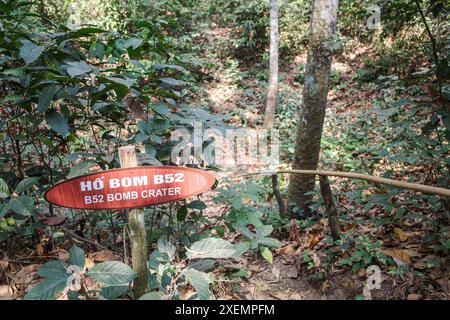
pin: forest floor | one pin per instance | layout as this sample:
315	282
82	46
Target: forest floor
236	89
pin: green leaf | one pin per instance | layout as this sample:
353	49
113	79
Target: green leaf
182	213
214	248
113	292
166	247
80	168
53	269
57	122
141	137
30	52
112	273
264	231
78	68
76	256
196	204
271	242
26	184
241	248
127	82
200	281
151	296
23	205
267	254
132	42
46	97
237	203
203	265
172	82
47	289
245	232
4	189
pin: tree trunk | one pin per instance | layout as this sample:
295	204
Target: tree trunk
138	233
272	90
315	90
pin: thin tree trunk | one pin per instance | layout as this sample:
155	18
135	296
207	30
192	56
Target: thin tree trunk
328	200
315	90
272	91
138	233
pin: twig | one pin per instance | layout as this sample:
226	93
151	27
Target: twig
433	44
73	234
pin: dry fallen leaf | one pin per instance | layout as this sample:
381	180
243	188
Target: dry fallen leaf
54	220
254	267
4	264
401	257
26	274
312	240
325	287
63	255
414	296
104	255
292	272
400	234
6	292
289	249
276	271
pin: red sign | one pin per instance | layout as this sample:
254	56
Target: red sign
129	187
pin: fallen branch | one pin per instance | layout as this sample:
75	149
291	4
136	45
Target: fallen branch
390	182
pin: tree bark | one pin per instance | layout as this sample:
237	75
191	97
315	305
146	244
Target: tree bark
138	233
315	90
272	90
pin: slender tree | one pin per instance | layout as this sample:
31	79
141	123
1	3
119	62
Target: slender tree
273	66
315	90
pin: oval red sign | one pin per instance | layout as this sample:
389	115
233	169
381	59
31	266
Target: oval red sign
129	187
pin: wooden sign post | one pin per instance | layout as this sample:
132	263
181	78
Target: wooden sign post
131	187
138	234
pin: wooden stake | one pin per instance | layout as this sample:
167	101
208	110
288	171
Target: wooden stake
138	234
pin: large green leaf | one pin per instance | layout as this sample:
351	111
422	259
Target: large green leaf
113	292
56	280
4	189
271	242
78	68
22	205
30	52
47	289
210	248
200	281
80	168
26	184
46	97
76	256
127	82
57	122
245	232
166	247
112	273
53	269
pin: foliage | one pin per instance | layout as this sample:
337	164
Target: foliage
114	278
